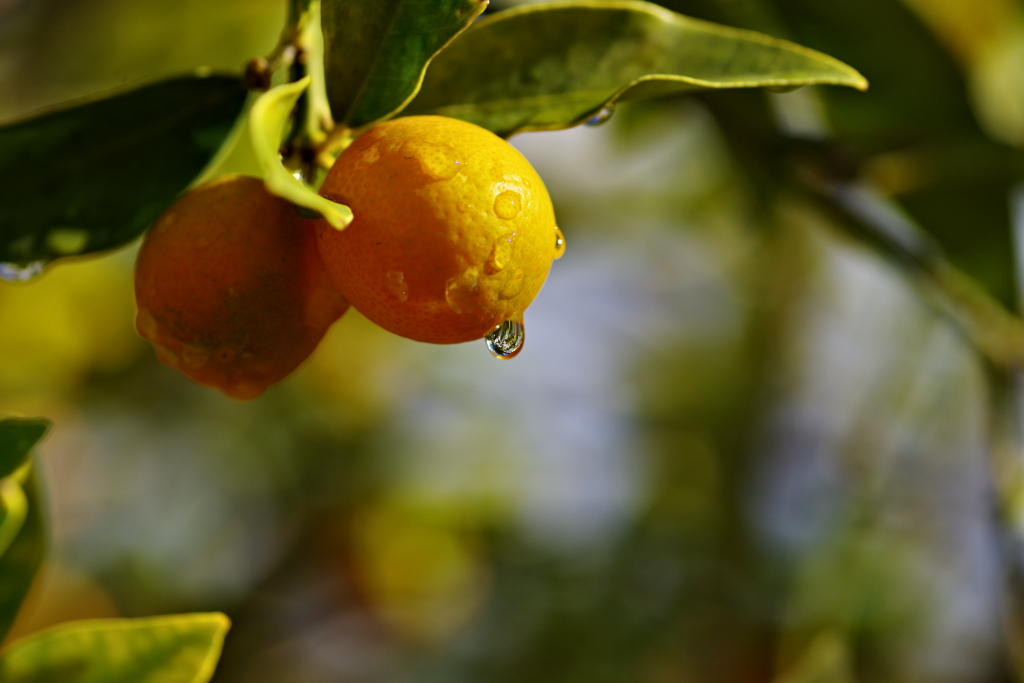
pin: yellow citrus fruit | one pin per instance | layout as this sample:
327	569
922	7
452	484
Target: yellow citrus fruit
230	288
453	235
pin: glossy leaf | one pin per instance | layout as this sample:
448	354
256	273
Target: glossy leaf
95	174
376	52
13	511
552	65
21	561
173	649
267	121
17	438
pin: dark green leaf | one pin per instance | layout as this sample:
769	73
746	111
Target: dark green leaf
917	90
174	649
555	64
18	566
95	175
17	437
376	52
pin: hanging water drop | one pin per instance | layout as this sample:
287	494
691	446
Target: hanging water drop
20	272
559	243
601	116
506	340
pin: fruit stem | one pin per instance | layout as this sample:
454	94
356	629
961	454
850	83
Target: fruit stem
337	140
301	47
284	52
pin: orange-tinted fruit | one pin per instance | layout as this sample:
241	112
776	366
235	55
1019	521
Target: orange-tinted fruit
230	287
453	230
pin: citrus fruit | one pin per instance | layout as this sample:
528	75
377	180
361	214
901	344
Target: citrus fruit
453	235
230	288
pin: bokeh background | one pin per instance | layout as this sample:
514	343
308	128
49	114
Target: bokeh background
755	434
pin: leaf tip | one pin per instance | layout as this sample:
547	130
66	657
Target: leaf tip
339	217
221	621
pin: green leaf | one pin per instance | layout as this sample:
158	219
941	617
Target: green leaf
18	566
555	64
172	649
267	121
901	51
376	52
94	175
17	438
13	511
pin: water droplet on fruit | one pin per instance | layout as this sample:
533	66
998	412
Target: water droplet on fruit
371	156
462	290
21	272
204	241
437	160
601	116
501	253
508	204
559	243
243	390
194	356
146	324
506	340
394	280
513	285
166	355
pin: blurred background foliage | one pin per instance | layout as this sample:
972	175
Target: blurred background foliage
747	440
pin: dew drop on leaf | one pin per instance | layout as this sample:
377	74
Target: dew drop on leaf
601	116
506	340
21	272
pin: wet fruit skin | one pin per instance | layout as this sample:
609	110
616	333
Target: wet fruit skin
230	288
454	231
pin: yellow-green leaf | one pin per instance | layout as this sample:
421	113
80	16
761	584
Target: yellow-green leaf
555	64
13	511
267	120
21	560
172	649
